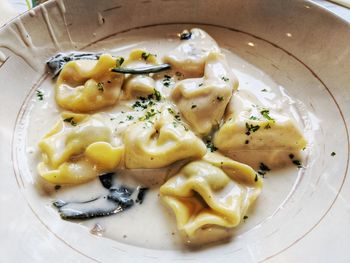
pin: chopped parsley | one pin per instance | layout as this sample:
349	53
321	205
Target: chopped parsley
265	113
225	78
193	106
100	86
145	102
129	117
157	95
145	55
220	98
333	154
263	90
149	114
297	163
167	80
170	110
245	217
57	187
39	94
263	169
253	118
251	128
267	126
119	61
177	117
71	121
200	84
211	146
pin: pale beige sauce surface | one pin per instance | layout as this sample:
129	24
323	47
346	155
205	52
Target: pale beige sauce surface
151	224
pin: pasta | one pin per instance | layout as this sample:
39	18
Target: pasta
257	128
212	191
202	101
77	149
190	56
125	115
158	144
88	85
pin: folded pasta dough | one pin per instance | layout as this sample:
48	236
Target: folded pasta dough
202	101
88	85
214	191
189	57
158	142
254	125
77	149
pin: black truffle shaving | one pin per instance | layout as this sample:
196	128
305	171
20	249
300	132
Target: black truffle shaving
57	62
106	180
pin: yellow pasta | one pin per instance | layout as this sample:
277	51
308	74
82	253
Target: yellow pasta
214	191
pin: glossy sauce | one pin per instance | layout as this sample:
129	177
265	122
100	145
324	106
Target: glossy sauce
151	224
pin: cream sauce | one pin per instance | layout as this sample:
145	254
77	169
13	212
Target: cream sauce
150	224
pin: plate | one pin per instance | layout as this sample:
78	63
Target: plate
297	44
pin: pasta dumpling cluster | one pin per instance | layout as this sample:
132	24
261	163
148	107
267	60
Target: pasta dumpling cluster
196	121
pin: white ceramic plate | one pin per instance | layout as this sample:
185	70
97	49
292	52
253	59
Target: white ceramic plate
299	45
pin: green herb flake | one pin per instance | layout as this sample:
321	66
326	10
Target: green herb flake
157	95
145	55
200	84
39	94
119	61
265	113
211	146
267	126
253	118
256	178
263	90
100	86
71	121
263	169
193	106
177	117
251	128
225	78
297	163
333	154
220	98
245	217
167	80
171	111
129	117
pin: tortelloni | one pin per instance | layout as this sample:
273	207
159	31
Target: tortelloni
202	101
88	85
257	127
139	85
214	191
190	56
77	149
160	141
